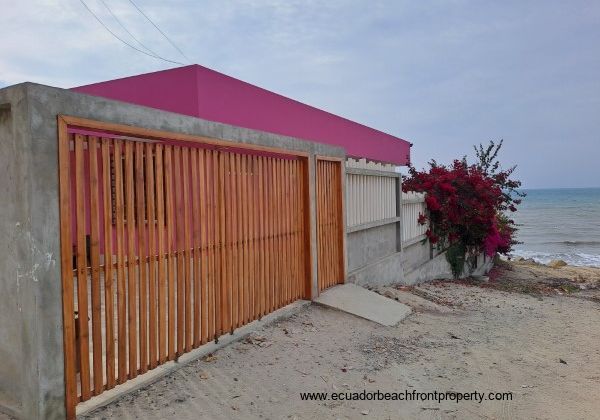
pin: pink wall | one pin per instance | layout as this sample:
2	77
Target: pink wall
204	93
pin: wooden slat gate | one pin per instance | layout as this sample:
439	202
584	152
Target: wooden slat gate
169	244
330	225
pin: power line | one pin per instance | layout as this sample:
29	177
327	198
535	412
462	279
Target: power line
125	42
159	30
125	29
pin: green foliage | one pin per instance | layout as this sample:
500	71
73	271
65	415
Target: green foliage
456	257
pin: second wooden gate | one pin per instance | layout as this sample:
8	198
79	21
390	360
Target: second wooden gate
330	223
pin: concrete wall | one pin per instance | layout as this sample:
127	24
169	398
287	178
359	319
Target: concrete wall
12	126
31	358
378	255
415	263
370	245
415	254
439	268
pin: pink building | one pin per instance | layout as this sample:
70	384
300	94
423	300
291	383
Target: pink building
200	92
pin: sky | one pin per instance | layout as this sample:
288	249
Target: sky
444	75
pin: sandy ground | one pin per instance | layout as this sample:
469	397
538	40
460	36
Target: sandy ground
542	343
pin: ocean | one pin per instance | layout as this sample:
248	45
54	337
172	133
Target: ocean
560	224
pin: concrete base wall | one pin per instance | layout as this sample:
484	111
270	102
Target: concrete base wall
370	245
385	271
439	268
373	260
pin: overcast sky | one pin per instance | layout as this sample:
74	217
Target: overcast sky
443	75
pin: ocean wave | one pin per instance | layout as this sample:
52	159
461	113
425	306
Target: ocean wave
575	243
576	258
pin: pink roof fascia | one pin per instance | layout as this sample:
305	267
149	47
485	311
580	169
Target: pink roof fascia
204	93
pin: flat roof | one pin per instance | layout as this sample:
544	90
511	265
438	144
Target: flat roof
204	93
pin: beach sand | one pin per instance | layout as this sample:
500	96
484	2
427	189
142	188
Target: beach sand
530	330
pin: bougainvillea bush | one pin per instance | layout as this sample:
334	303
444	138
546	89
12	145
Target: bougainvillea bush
468	206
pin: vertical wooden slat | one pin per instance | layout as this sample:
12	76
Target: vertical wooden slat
95	264
319	191
326	249
244	239
306	230
170	248
66	262
162	249
211	241
284	220
187	227
295	205
82	296
216	235
282	234
274	227
320	225
252	208
121	277
330	203
225	324
204	245
131	262
108	265
196	241
299	229
303	241
216	241
239	238
334	223
302	275
330	224
272	243
248	205
261	237
288	231
267	219
142	253
277	223
292	230
152	295
322	234
179	247
283	195
265	234
233	250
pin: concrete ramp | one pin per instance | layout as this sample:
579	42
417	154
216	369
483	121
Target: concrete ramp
361	302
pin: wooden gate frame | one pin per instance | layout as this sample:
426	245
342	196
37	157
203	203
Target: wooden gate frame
64	122
342	213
